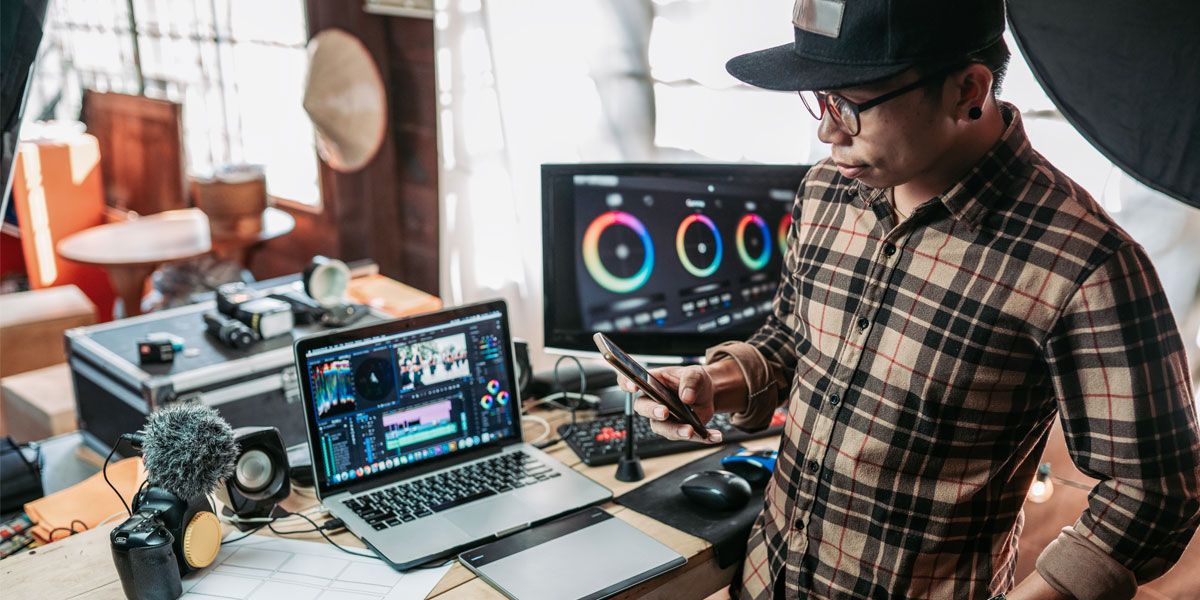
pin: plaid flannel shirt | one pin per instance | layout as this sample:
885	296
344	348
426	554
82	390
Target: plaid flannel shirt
924	363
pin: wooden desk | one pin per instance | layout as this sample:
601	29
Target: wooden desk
81	566
130	251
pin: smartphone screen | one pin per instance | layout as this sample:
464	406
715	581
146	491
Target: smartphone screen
649	384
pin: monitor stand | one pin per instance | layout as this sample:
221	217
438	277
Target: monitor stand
610	401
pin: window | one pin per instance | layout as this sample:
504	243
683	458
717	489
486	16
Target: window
702	109
238	69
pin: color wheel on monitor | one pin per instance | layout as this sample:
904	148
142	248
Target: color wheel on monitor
493	386
784	223
502	398
681	247
486	401
591	252
754	262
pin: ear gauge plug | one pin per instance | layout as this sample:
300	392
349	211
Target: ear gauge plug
975	113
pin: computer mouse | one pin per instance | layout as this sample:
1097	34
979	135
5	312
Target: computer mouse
755	466
718	490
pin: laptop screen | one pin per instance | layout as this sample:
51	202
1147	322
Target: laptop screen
407	396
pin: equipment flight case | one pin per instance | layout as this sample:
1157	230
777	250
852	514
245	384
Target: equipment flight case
114	391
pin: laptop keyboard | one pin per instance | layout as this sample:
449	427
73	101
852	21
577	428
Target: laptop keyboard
415	499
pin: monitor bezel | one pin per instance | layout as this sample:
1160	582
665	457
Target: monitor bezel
658	347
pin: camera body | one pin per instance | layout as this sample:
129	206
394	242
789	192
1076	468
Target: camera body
269	317
142	552
163	540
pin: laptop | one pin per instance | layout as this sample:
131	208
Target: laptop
414	427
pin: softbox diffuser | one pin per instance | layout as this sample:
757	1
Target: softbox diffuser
1127	76
21	28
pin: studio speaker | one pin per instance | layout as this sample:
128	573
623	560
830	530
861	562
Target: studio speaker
523	366
260	474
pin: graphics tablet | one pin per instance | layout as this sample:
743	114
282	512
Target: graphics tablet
589	555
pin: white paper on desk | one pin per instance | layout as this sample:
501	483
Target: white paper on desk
261	566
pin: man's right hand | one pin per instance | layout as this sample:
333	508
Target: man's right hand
694	387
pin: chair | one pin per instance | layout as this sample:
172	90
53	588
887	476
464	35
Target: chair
57	191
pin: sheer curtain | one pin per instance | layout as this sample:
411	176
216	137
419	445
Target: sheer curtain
526	82
522	83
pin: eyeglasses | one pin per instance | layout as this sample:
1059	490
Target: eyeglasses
846	112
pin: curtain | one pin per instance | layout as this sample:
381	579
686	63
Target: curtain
521	83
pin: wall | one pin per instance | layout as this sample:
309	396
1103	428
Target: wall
388	211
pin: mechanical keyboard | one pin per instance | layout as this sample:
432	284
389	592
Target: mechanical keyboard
602	441
391	506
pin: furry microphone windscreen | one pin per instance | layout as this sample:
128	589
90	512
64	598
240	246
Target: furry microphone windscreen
187	449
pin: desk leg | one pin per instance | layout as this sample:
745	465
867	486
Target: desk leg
129	281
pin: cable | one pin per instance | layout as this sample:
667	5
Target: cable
545	425
1076	484
330	525
71	529
104	470
109	518
271	526
552	400
29	464
316	529
1056	479
537	403
243	536
335	544
574	405
236	519
50	536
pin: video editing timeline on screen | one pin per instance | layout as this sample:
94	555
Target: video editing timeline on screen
397	400
670	254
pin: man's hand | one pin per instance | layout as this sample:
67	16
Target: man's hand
694	387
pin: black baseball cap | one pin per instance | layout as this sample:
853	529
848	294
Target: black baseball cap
843	43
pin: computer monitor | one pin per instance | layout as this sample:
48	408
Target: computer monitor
666	259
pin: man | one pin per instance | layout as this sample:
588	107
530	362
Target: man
946	294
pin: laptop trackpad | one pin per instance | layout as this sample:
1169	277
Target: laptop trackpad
487	518
419	538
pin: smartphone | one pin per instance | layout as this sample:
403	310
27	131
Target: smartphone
650	385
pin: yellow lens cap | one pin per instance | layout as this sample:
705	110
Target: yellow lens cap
202	539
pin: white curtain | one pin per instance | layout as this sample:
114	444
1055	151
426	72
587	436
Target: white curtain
526	82
521	83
